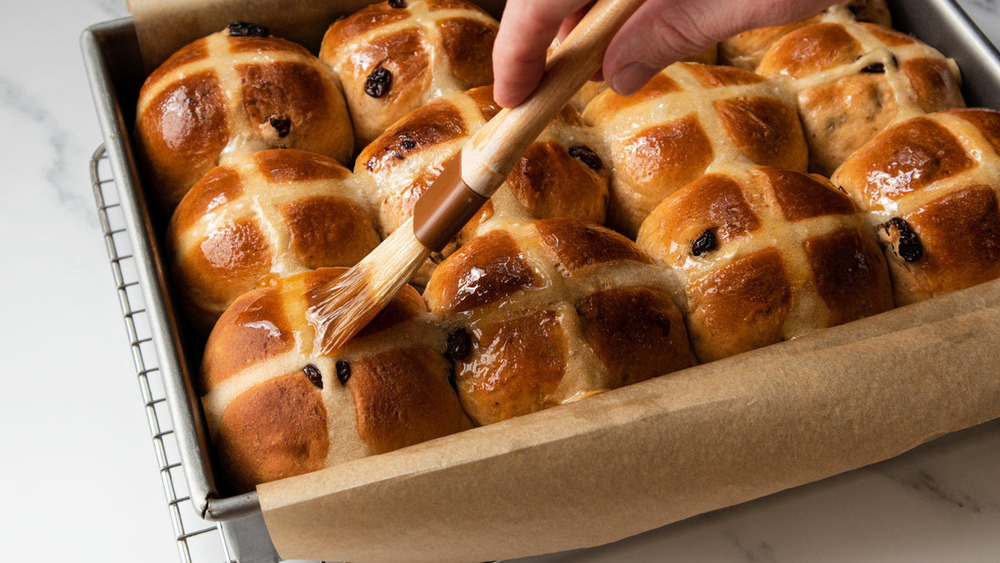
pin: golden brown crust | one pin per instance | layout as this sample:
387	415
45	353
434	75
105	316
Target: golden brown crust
555	310
415	53
277	408
251	330
853	79
906	158
930	191
850	275
630	330
181	134
514	369
748	48
272	431
578	246
764	255
329	231
764	129
398	405
802	197
689	120
239	95
488	269
560	175
740	307
265	215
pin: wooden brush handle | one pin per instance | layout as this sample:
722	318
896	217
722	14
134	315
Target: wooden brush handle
494	150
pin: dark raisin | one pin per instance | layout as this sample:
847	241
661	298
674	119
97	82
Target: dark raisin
874	68
343	371
904	239
315	377
407	144
282	125
704	244
378	83
397	3
459	345
244	29
587	156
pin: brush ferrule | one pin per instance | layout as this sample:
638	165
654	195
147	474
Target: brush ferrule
445	207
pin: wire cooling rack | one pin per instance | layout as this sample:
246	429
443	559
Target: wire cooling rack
197	540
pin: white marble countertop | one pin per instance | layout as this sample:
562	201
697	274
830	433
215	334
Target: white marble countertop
79	474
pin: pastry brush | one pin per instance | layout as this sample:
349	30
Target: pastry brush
466	183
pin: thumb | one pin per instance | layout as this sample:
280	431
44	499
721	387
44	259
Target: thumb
662	32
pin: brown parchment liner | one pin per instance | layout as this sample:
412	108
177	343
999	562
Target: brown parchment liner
636	458
644	456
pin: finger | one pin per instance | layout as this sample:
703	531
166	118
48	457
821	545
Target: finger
662	32
526	30
570	22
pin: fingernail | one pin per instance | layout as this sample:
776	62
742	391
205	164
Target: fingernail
632	77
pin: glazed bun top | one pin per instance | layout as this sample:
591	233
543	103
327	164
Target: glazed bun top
395	56
930	186
235	92
688	121
748	48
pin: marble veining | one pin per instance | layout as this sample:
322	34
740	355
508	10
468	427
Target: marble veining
79	473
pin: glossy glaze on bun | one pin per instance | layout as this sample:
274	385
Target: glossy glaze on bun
553	311
748	48
226	95
930	186
852	80
275	408
561	175
393	57
691	120
263	216
765	255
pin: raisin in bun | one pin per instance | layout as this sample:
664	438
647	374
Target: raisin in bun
393	57
264	215
560	175
764	255
748	48
275	408
234	92
853	79
689	120
549	312
930	187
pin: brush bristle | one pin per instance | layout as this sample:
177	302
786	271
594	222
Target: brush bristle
356	297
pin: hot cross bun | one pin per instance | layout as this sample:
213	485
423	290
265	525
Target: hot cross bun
552	311
561	175
264	215
690	120
748	48
275	408
393	57
930	187
764	255
853	79
231	93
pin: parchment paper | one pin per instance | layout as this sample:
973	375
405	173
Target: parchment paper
636	458
641	457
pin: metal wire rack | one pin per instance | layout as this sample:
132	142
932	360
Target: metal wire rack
197	540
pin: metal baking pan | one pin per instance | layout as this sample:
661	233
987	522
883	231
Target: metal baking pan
115	72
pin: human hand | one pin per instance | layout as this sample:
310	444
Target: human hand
660	33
